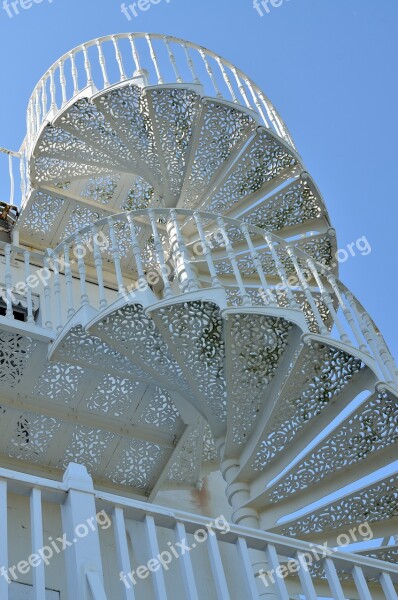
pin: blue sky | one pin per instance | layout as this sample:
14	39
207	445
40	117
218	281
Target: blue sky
328	65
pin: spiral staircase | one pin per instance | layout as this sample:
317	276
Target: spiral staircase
204	325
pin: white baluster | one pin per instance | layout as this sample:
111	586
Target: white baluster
172	59
371	338
183	263
346	309
102	63
75	76
43	90
388	587
57	290
217	568
361	584
351	301
271	114
274	564
232	258
241	87
37	110
122	550
68	282
119	59
154	58
210	72
22	176
227	79
61	66
98	267
116	258
256	100
29	304
215	282
333	579
305	578
387	357
142	282
190	64
8	282
53	92
12	183
306	289
87	66
79	253
188	577
153	544
47	293
136	56
327	300
259	268
4	585
245	561
281	272
160	255
36	516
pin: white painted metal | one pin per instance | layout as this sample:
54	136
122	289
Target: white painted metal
333	579
274	565
4	586
217	568
246	562
388	587
36	515
187	573
122	550
361	583
154	551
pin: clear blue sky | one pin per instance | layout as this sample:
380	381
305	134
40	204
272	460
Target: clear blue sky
330	66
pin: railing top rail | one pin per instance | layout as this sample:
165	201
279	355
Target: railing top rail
204	52
256	539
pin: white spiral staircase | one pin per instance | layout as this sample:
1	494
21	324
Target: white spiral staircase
244	352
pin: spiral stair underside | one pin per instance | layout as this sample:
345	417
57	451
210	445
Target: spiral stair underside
213	368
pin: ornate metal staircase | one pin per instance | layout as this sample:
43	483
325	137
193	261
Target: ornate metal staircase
190	301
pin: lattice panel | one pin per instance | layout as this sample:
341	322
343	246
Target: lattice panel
15	351
60	383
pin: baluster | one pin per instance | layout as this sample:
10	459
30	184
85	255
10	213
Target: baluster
160	255
307	292
136	56
102	63
158	576
246	562
191	284
241	87
29	304
210	72
190	64
274	564
47	293
256	101
53	91
98	267
119	59
36	520
8	282
44	97
75	77
259	268
57	289
4	585
389	360
346	310
172	59
227	79
271	113
68	281
188	577
351	301
122	550
63	81
328	301
305	578
333	579
371	337
232	258
217	568
37	110
22	176
11	174
79	253
388	586
215	282
154	58
142	282
361	583
87	66
116	258
292	302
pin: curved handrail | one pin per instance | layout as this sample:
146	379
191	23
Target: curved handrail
287	277
163	60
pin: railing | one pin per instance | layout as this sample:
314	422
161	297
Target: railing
177	251
83	543
11	175
158	59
